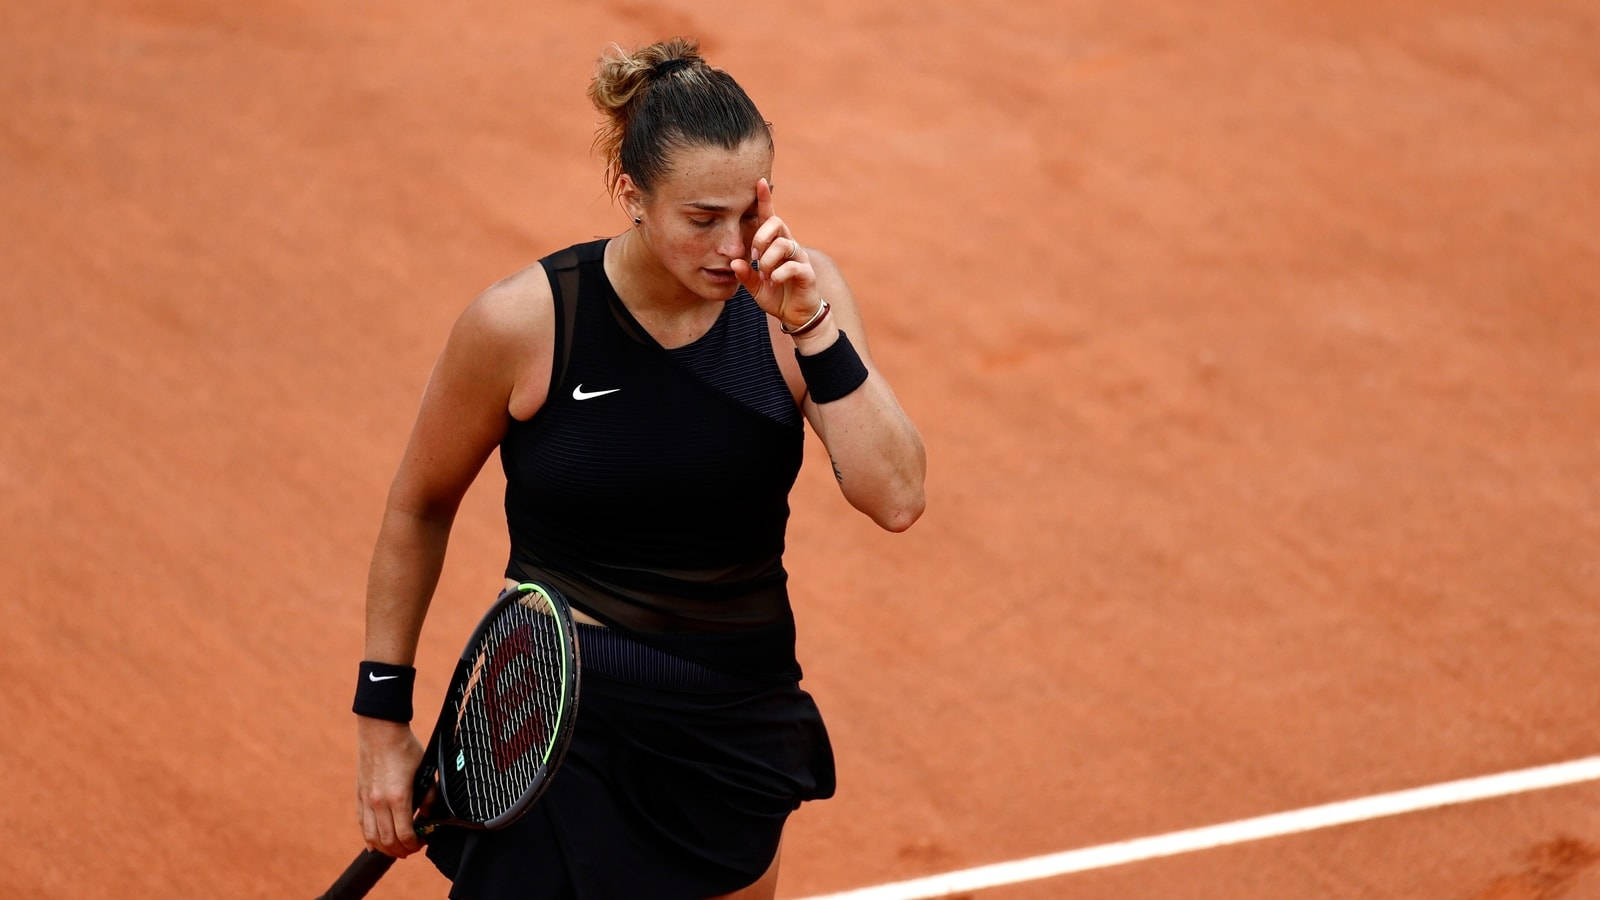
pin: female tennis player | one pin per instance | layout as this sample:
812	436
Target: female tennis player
648	394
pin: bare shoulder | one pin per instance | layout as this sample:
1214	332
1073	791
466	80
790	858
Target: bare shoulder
828	273
832	285
515	307
510	326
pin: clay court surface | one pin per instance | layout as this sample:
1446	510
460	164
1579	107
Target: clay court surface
1256	347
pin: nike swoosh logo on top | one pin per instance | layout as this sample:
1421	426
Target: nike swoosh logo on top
578	393
373	676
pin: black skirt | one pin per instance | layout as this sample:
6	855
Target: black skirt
677	785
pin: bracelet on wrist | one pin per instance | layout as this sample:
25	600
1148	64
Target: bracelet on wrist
811	323
383	691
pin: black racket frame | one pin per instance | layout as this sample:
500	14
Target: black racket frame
371	865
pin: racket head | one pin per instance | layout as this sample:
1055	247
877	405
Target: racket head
509	715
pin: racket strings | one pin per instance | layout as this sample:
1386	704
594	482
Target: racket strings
508	715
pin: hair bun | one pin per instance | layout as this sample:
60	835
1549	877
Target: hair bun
646	115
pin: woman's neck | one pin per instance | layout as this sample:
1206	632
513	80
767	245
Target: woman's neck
641	281
672	313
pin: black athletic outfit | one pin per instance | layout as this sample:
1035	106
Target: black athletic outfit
652	490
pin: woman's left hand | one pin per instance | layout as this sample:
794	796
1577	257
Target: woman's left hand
778	274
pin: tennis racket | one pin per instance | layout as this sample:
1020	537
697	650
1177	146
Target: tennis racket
504	728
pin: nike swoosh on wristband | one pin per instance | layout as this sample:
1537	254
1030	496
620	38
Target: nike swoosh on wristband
578	393
373	676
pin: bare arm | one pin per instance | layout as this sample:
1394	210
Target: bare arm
875	449
486	362
491	364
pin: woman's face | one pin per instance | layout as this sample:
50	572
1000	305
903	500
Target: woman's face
702	214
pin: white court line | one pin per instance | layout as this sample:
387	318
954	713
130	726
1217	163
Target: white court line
1292	822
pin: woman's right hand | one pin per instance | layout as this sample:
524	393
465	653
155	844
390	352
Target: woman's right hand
388	754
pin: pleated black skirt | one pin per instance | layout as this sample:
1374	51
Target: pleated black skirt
677	785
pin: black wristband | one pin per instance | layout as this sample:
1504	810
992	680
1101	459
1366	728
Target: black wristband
835	372
383	691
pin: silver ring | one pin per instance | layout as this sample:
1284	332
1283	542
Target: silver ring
794	248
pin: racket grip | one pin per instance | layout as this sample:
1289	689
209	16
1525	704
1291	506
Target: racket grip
359	876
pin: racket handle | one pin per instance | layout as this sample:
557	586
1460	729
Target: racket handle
360	876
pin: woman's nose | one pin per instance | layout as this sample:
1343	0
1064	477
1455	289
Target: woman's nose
732	245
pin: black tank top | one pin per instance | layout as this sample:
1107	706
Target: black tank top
652	486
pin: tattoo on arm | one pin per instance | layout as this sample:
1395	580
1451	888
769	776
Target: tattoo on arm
837	475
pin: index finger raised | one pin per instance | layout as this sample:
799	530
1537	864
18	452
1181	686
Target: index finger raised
763	199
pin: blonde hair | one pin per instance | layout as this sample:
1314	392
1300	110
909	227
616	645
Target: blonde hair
662	97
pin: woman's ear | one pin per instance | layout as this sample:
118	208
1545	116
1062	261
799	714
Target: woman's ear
631	197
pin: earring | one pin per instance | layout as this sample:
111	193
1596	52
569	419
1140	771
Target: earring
637	220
